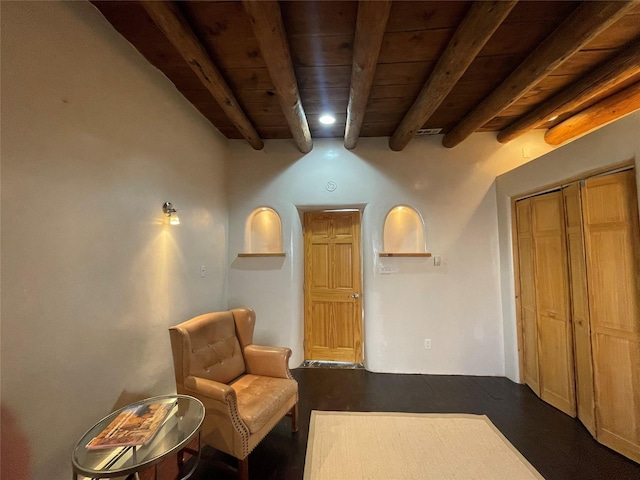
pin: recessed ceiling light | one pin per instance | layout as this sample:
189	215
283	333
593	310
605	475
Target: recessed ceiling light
327	119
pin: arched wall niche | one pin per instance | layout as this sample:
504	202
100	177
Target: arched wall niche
403	232
263	232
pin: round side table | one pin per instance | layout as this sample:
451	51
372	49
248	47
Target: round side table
180	427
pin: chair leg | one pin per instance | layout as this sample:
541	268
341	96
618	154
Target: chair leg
294	418
243	468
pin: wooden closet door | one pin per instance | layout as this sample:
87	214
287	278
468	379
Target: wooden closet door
527	294
579	307
610	212
555	346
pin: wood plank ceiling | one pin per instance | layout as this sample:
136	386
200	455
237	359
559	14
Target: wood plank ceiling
267	69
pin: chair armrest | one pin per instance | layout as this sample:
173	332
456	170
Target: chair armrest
210	389
267	361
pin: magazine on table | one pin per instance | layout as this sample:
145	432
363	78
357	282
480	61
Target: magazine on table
134	426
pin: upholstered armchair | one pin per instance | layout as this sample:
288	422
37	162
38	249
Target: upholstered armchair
246	389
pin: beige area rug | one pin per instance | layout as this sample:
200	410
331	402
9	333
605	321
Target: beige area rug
394	446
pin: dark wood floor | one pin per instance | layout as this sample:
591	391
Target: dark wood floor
558	446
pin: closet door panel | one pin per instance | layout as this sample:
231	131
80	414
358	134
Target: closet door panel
555	346
610	213
579	307
554	364
612	279
527	294
618	401
551	278
531	350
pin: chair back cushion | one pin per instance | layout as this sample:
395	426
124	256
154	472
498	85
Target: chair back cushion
210	347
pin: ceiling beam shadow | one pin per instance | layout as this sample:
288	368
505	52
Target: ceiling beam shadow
266	20
582	26
480	23
175	27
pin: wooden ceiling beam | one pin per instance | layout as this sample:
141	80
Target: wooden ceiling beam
370	27
482	20
603	112
582	26
175	27
612	73
266	20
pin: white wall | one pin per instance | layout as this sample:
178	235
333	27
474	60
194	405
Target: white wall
617	142
457	305
94	140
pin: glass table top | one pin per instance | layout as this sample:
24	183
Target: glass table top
178	429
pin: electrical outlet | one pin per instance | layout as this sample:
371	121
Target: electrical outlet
427	344
203	272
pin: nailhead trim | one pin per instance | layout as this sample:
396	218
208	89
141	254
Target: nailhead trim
237	422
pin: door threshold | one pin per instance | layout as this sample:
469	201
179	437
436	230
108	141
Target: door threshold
329	364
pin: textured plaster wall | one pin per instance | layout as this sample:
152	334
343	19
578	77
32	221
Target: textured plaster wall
94	140
457	305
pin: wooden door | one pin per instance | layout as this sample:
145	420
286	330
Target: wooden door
333	304
555	346
527	294
579	307
610	212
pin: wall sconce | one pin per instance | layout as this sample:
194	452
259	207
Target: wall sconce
171	212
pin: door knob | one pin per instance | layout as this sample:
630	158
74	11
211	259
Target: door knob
355	295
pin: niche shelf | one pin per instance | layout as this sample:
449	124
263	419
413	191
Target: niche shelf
403	233
263	234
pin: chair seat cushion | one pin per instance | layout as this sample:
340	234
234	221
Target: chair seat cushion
259	398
